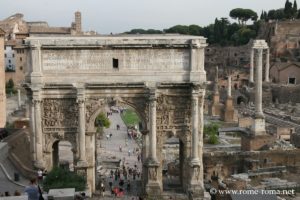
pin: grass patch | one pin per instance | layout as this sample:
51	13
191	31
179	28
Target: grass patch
130	118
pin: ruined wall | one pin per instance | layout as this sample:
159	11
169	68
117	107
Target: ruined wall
286	93
227	163
259	142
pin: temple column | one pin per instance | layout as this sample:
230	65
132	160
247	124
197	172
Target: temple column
19	98
267	78
229	87
39	162
81	120
258	84
251	66
258	127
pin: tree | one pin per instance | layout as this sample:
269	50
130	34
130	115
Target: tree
243	15
102	121
288	9
10	87
181	29
295	9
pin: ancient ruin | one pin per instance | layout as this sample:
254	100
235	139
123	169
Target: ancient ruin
161	77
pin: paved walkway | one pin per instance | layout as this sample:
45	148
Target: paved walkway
5	183
110	151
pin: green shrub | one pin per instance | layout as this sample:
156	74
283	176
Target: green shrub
102	120
211	130
62	178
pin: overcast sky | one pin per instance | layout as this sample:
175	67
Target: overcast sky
106	16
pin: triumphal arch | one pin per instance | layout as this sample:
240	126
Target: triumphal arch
71	79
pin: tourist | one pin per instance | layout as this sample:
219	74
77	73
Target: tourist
125	174
139	158
111	173
110	183
128	186
40	175
107	137
120	148
110	135
32	190
129	153
102	189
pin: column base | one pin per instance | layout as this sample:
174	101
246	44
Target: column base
39	164
258	128
195	191
152	162
195	162
153	188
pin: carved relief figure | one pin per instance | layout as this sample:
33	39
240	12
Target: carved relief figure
153	174
59	115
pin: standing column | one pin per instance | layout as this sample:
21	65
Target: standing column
267	79
195	127
152	123
251	66
19	98
229	87
81	119
258	85
39	163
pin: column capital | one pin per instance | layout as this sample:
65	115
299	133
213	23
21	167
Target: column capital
36	101
152	94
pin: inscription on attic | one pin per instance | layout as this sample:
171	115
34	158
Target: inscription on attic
146	59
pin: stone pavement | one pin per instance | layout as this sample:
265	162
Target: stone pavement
5	183
109	150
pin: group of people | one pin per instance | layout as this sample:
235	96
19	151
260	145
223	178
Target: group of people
119	181
7	194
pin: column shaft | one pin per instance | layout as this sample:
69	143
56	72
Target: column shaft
38	134
258	84
195	128
32	131
229	87
267	78
251	79
19	98
82	156
152	118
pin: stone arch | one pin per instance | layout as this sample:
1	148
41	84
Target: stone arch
182	153
132	102
51	139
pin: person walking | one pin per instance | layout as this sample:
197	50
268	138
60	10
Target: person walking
32	190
